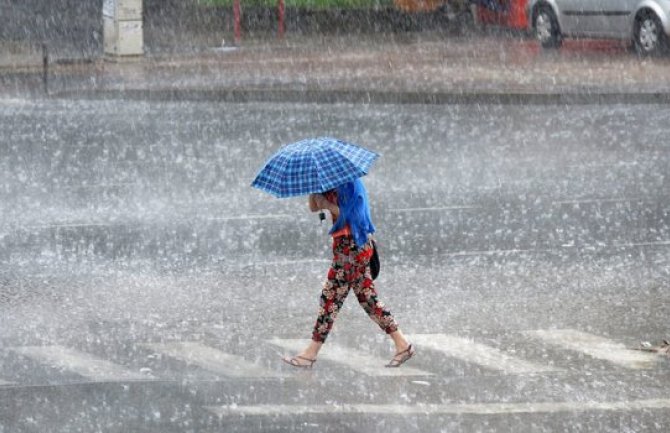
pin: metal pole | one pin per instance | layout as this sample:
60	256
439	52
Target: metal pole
45	68
281	19
236	15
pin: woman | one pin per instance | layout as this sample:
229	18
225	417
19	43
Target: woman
350	269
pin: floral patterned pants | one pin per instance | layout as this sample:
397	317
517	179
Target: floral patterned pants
350	270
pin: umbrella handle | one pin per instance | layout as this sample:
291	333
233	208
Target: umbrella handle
322	216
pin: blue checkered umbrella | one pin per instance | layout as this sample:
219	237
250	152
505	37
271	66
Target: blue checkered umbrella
313	165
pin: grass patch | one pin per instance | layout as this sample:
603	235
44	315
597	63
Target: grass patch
306	4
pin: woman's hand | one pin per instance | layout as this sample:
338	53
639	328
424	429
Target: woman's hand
312	202
334	211
318	202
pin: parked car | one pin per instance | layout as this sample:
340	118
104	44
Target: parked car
645	22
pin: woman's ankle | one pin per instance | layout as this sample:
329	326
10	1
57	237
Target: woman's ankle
312	351
399	340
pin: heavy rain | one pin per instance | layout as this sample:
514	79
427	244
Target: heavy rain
519	196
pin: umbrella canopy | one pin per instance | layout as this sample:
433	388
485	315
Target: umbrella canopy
313	165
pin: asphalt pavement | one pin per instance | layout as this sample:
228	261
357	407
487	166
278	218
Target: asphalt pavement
146	287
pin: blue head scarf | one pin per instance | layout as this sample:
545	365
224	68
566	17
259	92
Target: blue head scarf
352	199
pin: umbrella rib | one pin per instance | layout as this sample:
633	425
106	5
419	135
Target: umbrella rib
281	165
318	170
283	177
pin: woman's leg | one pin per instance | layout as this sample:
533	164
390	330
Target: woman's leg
364	288
310	353
332	298
400	341
369	299
334	292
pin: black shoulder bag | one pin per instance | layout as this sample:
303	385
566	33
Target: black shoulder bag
374	261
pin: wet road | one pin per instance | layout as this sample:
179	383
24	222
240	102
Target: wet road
145	286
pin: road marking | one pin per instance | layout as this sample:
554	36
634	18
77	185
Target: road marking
618	164
489	252
439	409
293	262
211	359
469	351
4	382
643	244
101	185
114	224
17	101
71	225
597	347
432	209
353	359
593	200
83	364
253	217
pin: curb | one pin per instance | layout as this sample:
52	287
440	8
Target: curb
334	96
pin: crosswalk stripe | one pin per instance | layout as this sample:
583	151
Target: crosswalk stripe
439	409
597	347
476	353
83	364
212	359
353	359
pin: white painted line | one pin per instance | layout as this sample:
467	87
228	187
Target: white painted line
643	244
594	200
489	252
72	225
476	353
83	364
253	217
439	409
618	164
293	262
353	359
17	101
212	359
101	185
433	209
597	347
4	382
113	224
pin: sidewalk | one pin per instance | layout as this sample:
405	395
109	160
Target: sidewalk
425	67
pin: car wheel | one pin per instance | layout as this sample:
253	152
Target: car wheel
546	27
649	36
457	18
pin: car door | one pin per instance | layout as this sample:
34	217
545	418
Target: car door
616	15
581	17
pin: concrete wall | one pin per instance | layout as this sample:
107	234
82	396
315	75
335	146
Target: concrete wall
70	25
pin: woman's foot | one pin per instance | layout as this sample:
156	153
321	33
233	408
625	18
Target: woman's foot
663	347
307	357
300	361
402	356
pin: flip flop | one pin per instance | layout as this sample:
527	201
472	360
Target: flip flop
405	355
295	363
646	346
